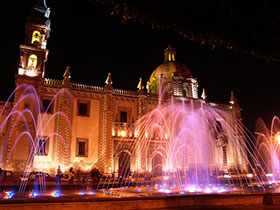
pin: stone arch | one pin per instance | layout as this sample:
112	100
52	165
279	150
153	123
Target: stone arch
156	163
124	163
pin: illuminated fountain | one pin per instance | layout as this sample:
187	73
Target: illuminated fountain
187	147
268	148
180	147
30	123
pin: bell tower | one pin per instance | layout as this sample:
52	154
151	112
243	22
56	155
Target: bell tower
33	54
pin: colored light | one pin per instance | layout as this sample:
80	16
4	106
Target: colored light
208	190
81	193
165	191
33	195
8	195
221	190
55	194
214	188
91	193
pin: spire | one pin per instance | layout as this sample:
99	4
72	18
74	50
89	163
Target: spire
67	74
140	86
169	54
66	80
109	82
204	95
233	99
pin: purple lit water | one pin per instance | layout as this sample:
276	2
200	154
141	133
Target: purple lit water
179	147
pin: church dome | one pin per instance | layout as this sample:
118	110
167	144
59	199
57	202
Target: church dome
168	69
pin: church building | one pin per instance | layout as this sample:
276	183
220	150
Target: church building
79	125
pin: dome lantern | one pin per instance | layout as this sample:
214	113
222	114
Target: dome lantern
169	54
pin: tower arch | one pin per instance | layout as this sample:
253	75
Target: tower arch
36	36
32	61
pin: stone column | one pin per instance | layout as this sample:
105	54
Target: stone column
106	141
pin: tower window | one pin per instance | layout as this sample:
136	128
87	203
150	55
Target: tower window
36	37
32	61
123	116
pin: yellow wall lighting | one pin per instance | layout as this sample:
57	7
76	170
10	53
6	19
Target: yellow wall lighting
123	133
277	138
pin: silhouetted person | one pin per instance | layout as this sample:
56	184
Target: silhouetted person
32	176
71	175
58	175
79	174
121	174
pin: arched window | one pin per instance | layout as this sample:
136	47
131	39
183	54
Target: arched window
32	61
36	37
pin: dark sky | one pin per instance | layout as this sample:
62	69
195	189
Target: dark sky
92	42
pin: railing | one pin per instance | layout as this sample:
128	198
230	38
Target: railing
76	86
118	127
52	82
87	87
124	125
125	92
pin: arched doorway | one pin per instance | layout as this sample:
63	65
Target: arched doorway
124	164
157	165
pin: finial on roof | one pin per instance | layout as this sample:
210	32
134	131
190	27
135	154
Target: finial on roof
203	95
140	86
109	82
67	74
233	99
66	77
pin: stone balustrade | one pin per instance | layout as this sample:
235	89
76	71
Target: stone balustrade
53	82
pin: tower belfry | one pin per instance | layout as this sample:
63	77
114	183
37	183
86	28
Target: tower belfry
33	54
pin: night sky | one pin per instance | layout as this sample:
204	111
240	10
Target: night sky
92	42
